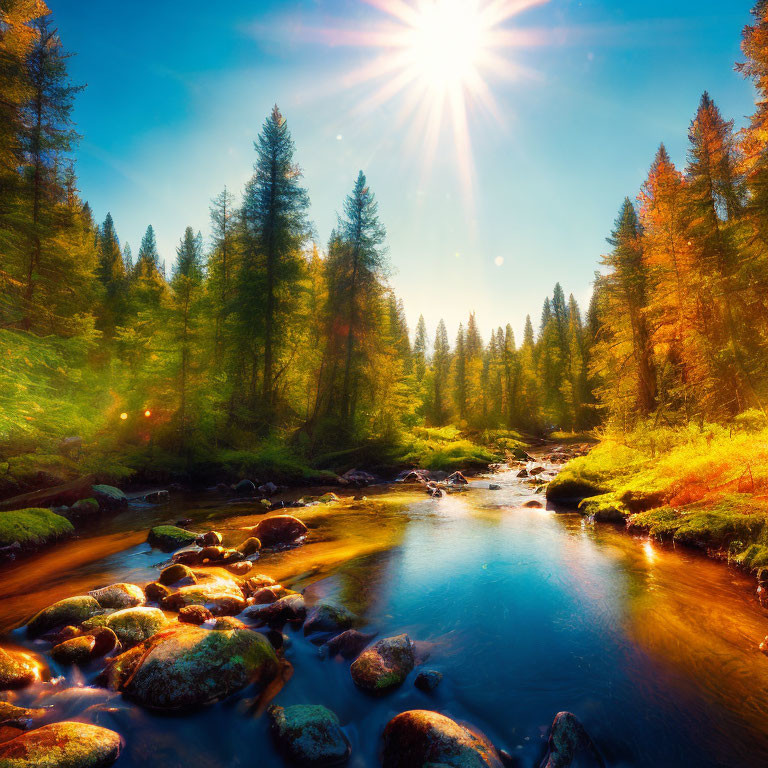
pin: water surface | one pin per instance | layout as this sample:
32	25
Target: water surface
525	612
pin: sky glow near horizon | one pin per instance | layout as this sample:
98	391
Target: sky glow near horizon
498	170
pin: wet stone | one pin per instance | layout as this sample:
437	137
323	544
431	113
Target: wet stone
309	735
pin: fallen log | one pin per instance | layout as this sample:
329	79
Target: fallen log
68	494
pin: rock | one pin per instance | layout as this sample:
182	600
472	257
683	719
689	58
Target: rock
434	492
536	471
134	625
494	487
239	569
158	497
189	666
268	489
210	539
326	616
328	498
32	528
309	735
109	497
522	473
227	622
17	670
155	592
457	479
218	555
85	648
71	610
290	608
349	644
194	614
413	476
19	717
569	489
169	537
84	508
280	529
419	738
250	546
357	478
62	745
258	581
245	488
568	739
533	504
119	596
384	665
428	680
266	595
221	598
177	574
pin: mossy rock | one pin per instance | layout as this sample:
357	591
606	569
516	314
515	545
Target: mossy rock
326	616
569	489
109	497
33	528
280	529
309	735
219	597
71	610
17	670
605	508
62	745
384	665
84	508
418	738
189	666
170	537
19	717
133	625
177	574
119	596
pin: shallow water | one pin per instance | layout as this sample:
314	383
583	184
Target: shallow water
526	612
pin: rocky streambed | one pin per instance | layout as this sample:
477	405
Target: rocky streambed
395	626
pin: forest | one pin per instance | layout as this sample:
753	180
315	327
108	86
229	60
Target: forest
261	342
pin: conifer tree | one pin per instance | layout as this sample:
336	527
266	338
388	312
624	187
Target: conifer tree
440	410
420	349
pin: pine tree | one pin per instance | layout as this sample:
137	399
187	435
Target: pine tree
440	410
420	349
274	229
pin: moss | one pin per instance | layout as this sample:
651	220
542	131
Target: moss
71	610
170	537
607	508
310	735
577	481
134	625
32	527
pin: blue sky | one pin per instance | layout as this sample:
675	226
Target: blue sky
177	91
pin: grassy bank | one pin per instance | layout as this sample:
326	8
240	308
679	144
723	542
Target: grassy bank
280	461
705	486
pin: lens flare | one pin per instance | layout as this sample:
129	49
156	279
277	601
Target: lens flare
123	416
147	413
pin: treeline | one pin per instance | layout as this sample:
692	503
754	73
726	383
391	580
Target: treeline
683	304
253	334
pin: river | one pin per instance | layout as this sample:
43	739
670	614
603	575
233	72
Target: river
526	612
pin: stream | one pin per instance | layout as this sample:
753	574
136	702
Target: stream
526	612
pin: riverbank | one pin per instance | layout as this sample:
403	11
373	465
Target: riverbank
705	487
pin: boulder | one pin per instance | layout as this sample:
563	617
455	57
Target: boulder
569	739
268	489
71	610
280	529
17	670
457	479
249	547
19	717
240	568
267	595
309	735
428	680
494	487
117	596
84	508
328	498
189	666
290	608
245	488
32	528
533	504
155	592
569	489
210	539
169	537
194	614
109	497
133	625
349	644
85	648
357	478
413	476
418	738
384	665
62	745
221	598
326	616
177	574
158	497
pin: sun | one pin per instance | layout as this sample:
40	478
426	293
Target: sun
436	60
447	42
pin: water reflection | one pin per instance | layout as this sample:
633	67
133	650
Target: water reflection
525	612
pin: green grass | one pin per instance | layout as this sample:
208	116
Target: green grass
32	527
